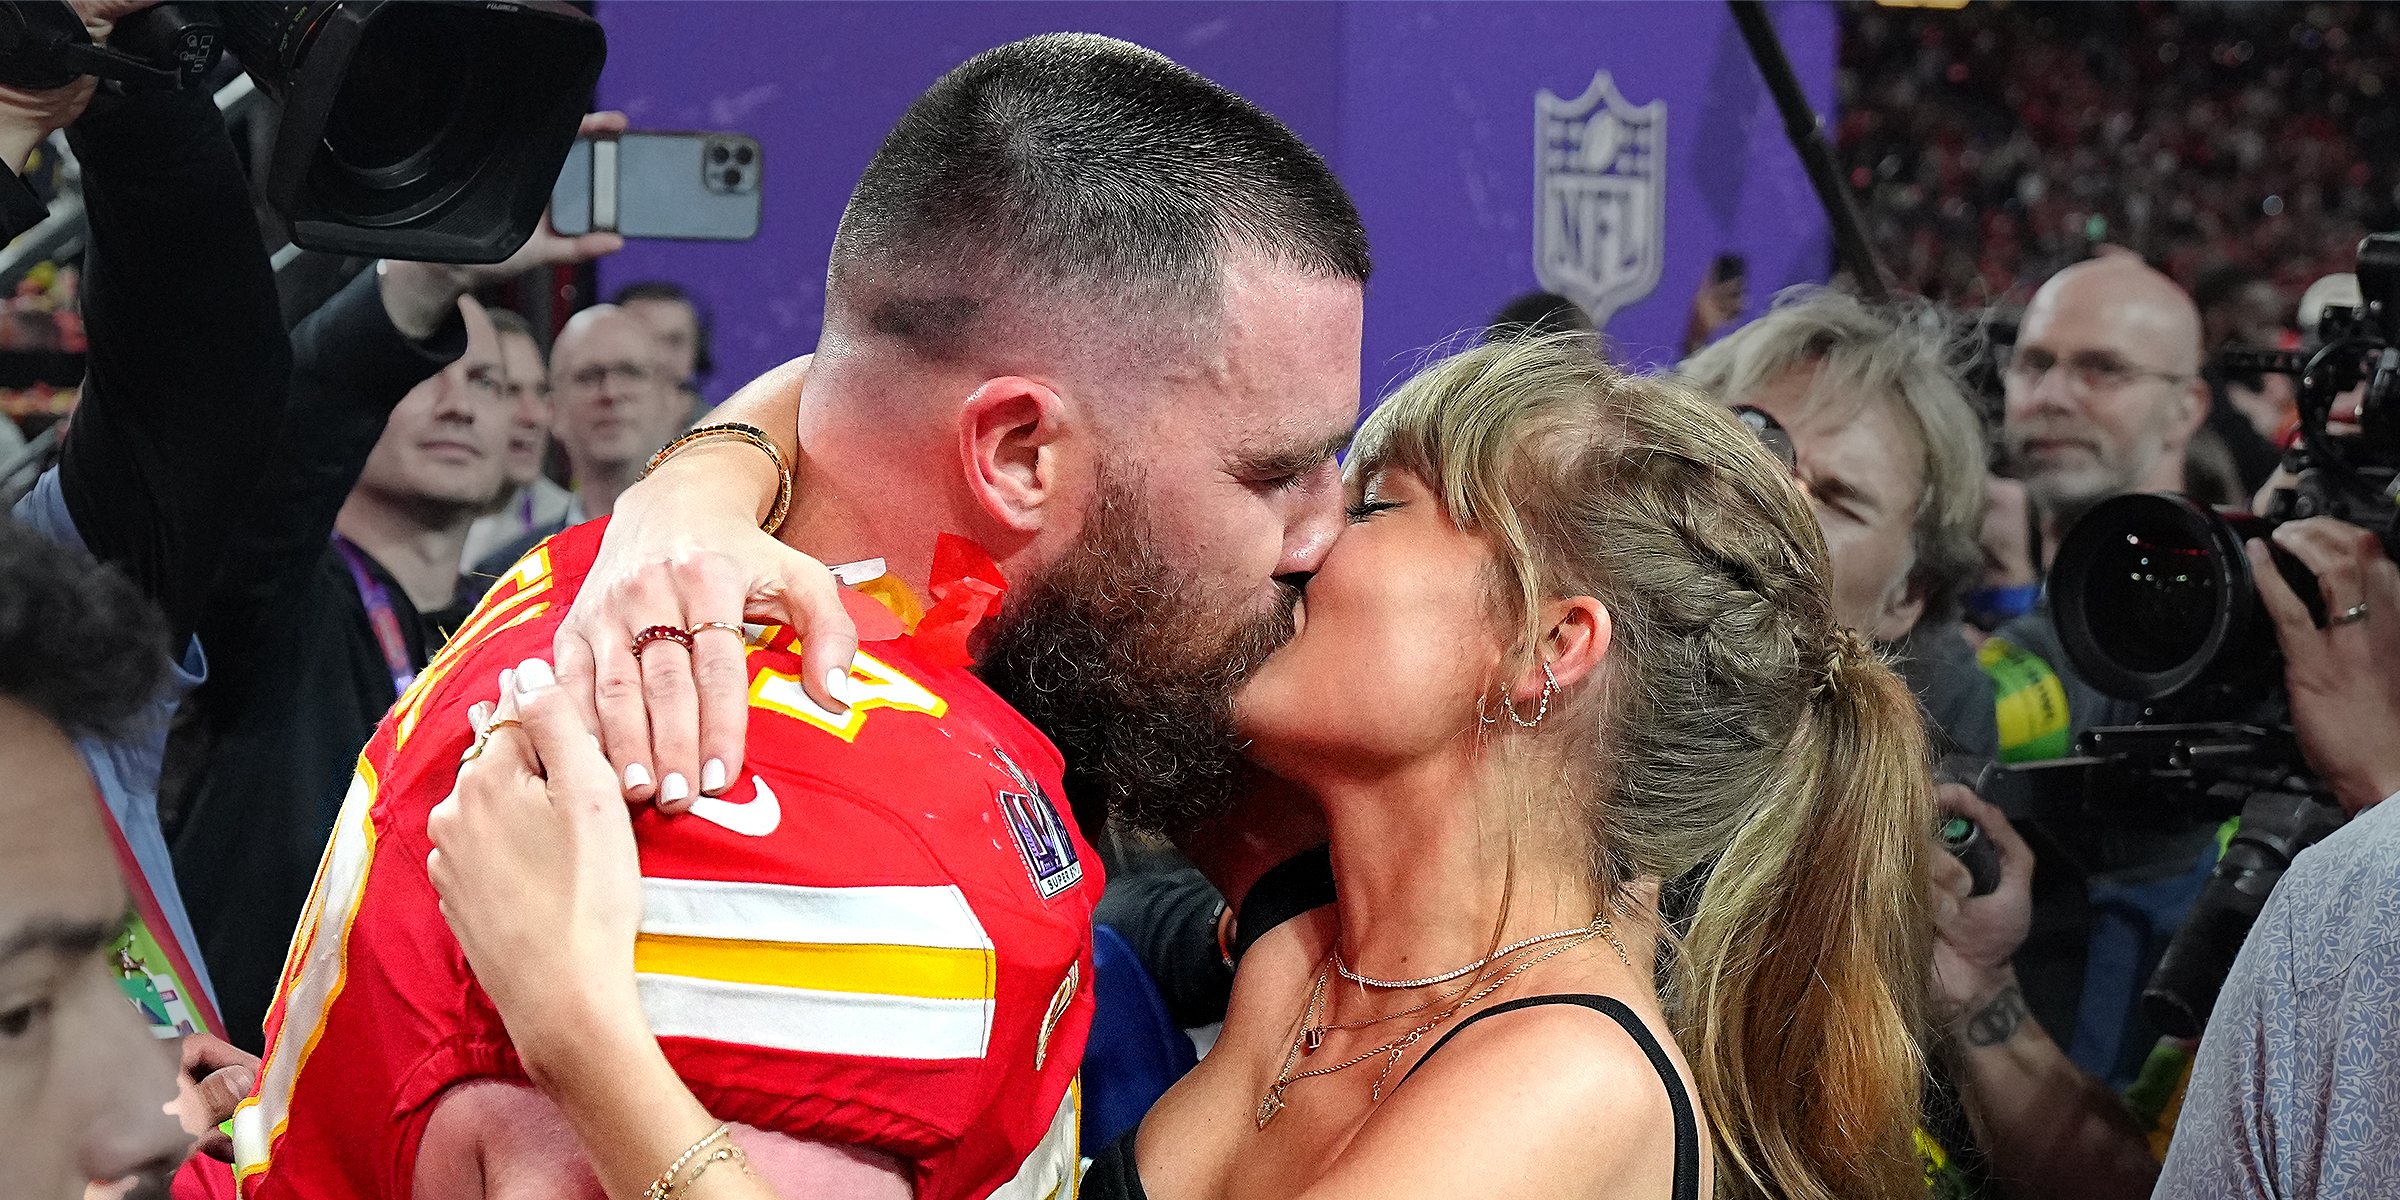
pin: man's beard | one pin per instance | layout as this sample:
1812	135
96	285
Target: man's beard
1127	665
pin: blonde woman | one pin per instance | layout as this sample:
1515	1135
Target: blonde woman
1577	642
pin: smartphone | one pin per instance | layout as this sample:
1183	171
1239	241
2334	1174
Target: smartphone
694	186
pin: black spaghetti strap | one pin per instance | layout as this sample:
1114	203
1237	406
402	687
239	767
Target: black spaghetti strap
1687	1125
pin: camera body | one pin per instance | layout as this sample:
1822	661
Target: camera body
430	130
2153	594
2156	602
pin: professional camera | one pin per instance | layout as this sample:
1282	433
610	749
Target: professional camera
2156	602
430	130
2152	593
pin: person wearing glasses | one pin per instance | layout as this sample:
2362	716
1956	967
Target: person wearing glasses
2104	396
615	401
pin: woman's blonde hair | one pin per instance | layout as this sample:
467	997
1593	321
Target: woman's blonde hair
1732	723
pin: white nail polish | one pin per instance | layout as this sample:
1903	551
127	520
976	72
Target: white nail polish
673	788
636	775
533	675
837	685
712	776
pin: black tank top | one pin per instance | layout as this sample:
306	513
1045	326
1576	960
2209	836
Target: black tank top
1115	1176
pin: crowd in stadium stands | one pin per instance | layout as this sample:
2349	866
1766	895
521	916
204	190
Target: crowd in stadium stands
1994	145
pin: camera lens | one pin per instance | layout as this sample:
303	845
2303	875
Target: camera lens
742	155
2152	598
718	154
2152	595
733	178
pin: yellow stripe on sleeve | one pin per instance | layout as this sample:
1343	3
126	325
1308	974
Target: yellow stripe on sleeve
929	972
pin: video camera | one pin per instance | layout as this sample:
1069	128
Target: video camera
2155	601
431	130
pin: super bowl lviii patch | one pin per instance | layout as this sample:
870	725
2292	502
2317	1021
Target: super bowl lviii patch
1042	838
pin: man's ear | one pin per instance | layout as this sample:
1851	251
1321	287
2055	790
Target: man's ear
1009	432
2196	400
1576	636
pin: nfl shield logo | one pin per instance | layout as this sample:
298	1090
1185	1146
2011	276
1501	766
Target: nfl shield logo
1600	177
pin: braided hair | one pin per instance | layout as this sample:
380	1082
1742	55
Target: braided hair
1734	722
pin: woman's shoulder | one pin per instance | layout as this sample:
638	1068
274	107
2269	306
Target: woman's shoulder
1569	1097
1558	1059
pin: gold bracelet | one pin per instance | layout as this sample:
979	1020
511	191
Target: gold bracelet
748	433
723	1153
664	1186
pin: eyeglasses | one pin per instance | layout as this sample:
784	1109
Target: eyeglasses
623	374
2089	372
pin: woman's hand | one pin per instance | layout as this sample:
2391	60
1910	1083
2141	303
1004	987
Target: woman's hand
534	860
683	549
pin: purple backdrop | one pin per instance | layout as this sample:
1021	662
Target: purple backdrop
1426	110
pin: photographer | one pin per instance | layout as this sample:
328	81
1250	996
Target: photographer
1891	454
187	362
315	636
2295	1092
2103	397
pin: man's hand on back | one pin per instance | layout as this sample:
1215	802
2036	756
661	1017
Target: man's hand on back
2344	679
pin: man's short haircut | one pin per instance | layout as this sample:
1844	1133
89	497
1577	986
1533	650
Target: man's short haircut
508	322
660	289
78	643
1906	355
1079	168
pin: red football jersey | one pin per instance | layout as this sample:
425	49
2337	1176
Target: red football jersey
880	937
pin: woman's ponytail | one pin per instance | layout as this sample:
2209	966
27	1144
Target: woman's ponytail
1808	952
1733	723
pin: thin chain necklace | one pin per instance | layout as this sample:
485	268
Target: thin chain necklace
1311	1032
1470	968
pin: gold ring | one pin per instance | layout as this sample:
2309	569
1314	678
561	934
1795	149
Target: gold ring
732	627
476	751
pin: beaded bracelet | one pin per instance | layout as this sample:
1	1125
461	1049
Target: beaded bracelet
748	433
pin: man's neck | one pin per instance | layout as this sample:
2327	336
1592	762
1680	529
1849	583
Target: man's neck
418	543
835	520
598	485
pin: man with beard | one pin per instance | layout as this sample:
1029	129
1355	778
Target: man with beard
868	945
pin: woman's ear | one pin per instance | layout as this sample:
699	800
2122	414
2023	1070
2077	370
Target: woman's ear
1575	638
1009	433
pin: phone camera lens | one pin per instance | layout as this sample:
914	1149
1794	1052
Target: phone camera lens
742	155
718	154
733	178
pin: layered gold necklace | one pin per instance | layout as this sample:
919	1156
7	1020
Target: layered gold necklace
1313	1027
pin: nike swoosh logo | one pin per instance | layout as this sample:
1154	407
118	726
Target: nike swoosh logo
758	818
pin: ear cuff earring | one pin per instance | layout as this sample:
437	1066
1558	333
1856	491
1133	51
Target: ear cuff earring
1549	689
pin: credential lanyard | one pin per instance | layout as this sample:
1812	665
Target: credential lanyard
380	615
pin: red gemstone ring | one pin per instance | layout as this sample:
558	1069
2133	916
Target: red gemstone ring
660	633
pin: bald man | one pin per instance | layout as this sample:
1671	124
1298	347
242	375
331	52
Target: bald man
2104	393
2104	396
616	402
